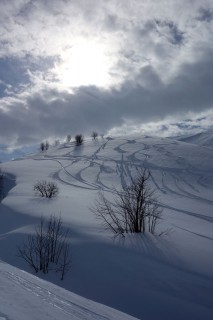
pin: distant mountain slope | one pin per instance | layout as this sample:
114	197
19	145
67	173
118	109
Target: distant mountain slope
26	297
202	139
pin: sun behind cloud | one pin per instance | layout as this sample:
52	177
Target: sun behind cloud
85	63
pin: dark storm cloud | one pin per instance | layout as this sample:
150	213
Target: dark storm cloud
53	113
205	14
173	33
158	58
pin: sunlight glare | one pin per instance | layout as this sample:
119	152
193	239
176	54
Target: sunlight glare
84	64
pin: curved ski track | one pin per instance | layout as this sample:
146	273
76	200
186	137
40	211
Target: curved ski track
123	160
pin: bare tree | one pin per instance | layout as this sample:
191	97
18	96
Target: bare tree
27	252
79	139
47	145
47	246
46	189
57	142
94	135
42	146
65	261
69	137
134	209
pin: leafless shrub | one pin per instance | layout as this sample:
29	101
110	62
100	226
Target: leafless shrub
42	146
46	189
134	210
48	247
79	139
57	142
47	145
69	137
94	135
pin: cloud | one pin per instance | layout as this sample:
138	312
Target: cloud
79	66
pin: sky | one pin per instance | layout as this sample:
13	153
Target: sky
111	66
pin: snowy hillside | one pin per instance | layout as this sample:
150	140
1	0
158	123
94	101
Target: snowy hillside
204	138
149	277
25	297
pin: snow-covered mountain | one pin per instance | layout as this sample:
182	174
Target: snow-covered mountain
150	276
204	138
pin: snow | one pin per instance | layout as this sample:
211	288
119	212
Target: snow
149	277
204	138
25	297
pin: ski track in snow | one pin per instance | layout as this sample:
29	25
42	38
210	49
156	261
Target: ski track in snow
184	179
71	309
172	179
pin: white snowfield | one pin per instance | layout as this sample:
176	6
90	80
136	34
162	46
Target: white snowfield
26	297
149	276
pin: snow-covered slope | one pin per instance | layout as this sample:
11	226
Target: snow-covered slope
204	138
24	296
149	277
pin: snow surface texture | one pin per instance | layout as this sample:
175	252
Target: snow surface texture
149	277
202	139
25	297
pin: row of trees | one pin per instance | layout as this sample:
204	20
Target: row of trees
79	139
44	146
94	135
